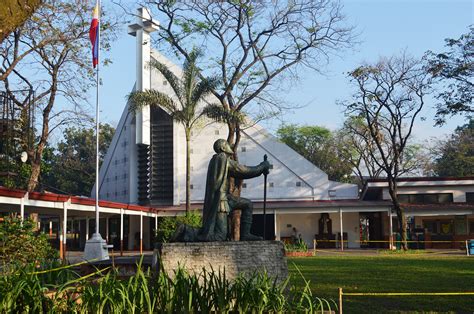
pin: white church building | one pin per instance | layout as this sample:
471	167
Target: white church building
145	165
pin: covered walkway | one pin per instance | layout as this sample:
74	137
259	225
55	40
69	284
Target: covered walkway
70	219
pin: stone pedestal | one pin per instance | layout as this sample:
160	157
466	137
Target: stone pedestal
243	257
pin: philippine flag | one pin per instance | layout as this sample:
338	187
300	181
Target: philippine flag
94	34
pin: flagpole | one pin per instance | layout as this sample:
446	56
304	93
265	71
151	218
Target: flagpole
97	131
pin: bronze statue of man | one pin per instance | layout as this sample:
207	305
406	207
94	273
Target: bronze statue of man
219	202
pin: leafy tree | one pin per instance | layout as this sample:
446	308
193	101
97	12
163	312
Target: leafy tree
55	68
71	169
253	47
319	146
185	108
455	156
389	97
21	243
454	70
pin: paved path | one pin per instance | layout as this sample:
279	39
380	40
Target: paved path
74	257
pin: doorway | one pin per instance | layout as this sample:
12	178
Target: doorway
370	230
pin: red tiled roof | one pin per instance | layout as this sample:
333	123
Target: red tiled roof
53	197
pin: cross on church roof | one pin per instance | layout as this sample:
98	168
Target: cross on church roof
144	21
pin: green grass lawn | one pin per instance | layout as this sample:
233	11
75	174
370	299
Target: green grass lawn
390	273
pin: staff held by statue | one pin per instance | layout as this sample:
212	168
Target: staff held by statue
265	174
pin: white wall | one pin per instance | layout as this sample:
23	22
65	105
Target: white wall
134	227
350	224
308	225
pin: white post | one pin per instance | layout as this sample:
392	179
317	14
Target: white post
391	229
87	228
60	233
121	231
97	231
275	222
156	221
50	229
65	205
22	209
107	229
141	232
342	231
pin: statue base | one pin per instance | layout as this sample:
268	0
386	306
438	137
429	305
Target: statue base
240	257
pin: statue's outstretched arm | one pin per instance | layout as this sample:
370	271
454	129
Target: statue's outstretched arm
239	171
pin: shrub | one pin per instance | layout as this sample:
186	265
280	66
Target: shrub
20	243
168	225
298	246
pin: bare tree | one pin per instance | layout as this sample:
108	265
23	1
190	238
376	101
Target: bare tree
253	47
358	148
390	96
56	68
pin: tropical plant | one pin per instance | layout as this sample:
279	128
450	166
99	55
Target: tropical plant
30	290
190	91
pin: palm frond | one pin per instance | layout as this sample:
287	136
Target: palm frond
204	88
220	114
151	97
172	79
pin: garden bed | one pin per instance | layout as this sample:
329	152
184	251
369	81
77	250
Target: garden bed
299	254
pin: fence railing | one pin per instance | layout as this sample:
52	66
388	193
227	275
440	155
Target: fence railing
395	294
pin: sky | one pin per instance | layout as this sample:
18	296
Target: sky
385	28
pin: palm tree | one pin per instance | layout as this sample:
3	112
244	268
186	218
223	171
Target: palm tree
190	92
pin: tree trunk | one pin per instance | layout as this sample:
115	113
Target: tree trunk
188	170
38	153
35	172
402	225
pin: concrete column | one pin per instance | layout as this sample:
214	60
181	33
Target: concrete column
141	232
156	222
107	229
65	206
61	237
87	228
73	231
121	231
390	241
275	227
342	230
22	209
